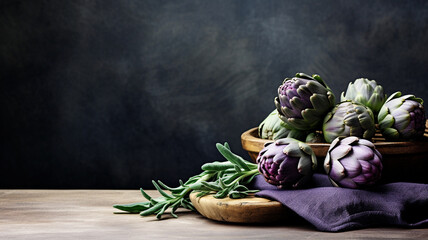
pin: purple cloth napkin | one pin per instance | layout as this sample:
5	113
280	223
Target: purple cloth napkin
336	209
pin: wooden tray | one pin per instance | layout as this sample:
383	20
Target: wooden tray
402	161
246	210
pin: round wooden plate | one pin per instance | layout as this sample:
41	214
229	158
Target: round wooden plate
246	210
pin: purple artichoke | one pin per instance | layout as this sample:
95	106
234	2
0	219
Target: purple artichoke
402	117
287	163
303	101
353	163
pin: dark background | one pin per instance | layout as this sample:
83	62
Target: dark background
113	94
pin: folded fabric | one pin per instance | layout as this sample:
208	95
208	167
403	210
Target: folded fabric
336	209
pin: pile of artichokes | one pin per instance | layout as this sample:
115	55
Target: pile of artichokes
306	111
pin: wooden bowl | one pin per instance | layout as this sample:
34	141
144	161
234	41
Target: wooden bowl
402	161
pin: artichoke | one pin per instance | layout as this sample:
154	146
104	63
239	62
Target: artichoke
349	119
273	128
366	92
402	117
303	101
353	163
287	163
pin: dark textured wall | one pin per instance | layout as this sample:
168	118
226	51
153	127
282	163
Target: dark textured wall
112	94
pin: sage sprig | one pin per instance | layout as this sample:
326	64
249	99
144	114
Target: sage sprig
223	179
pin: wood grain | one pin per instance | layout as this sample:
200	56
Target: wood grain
246	210
88	214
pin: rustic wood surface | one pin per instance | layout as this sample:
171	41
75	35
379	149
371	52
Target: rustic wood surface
88	214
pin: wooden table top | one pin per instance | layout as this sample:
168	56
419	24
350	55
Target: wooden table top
88	214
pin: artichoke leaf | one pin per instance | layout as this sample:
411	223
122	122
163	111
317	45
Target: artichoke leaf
284	141
297	134
297	103
287	112
305	148
340	151
369	133
292	150
337	170
280	134
342	97
299	124
331	98
319	79
303	75
366	143
334	144
304	91
387	122
351	119
375	102
352	140
413	98
366	120
314	162
305	165
327	164
402	119
394	95
316	87
320	102
391	134
384	111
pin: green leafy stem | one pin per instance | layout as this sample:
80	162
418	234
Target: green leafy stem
223	179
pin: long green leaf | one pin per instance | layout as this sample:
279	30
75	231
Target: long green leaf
176	189
174	208
166	195
133	207
211	186
217	166
153	209
226	144
233	158
159	215
145	195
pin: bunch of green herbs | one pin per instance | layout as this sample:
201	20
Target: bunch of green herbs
223	179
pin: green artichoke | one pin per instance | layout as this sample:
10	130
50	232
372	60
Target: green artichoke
352	163
287	163
273	128
303	101
349	119
366	92
402	117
